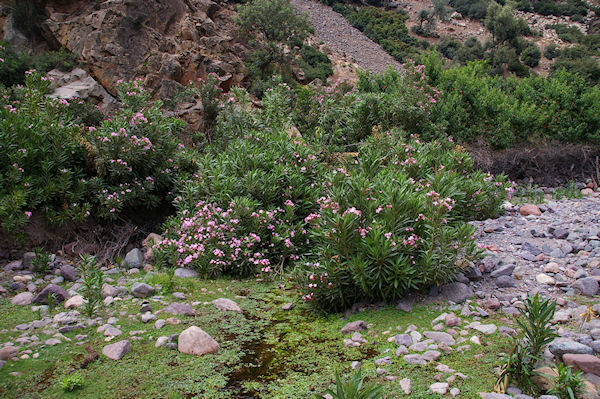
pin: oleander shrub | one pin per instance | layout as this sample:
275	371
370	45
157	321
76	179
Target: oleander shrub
395	220
323	114
243	210
42	158
136	153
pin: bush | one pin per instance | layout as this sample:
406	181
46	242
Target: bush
536	332
72	382
567	384
386	27
394	220
42	158
551	51
473	9
14	64
353	388
315	64
531	56
244	210
136	154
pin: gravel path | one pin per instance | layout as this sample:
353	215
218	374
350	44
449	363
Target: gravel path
334	30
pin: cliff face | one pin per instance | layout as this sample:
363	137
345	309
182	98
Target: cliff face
166	42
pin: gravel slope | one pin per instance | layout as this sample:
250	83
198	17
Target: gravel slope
334	30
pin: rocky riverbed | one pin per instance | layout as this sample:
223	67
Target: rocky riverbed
552	249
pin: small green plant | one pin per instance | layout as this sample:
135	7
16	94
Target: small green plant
52	301
353	388
72	382
529	194
41	261
92	278
569	191
567	384
536	332
169	284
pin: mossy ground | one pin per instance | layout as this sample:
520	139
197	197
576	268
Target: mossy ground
264	353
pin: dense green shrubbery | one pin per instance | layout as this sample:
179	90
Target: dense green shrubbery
135	154
315	64
385	27
474	9
49	165
394	220
244	209
507	111
272	27
14	64
42	157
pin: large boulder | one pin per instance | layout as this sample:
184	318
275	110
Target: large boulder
60	294
354	326
561	346
587	286
194	341
179	309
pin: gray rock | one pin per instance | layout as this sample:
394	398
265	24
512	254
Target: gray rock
146	317
456	292
440	337
415	360
495	396
117	350
59	293
354	326
195	341
226	305
23	299
142	290
505	270
559	347
179	309
403	339
8	352
184	272
68	272
587	286
288	306
505	282
133	259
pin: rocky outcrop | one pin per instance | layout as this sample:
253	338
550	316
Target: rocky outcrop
168	43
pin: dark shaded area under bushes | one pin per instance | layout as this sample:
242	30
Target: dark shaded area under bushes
549	164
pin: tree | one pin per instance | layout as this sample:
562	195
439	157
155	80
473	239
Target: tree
272	27
273	24
441	9
531	55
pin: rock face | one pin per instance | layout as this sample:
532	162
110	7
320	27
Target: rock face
168	42
194	341
117	350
